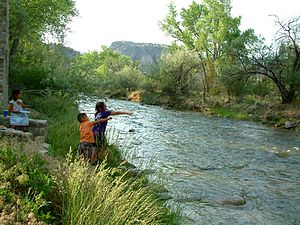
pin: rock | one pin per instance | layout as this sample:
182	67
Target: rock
282	154
164	196
290	124
45	148
131	130
235	202
133	172
209	167
135	96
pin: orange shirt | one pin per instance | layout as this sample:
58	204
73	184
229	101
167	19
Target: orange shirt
86	133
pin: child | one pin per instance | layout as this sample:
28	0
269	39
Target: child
19	119
99	129
87	146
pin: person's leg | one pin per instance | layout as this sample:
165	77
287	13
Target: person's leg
102	154
84	151
94	155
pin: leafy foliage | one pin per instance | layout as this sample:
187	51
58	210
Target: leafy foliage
24	181
206	28
108	72
32	21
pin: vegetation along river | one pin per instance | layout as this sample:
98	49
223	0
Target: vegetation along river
203	161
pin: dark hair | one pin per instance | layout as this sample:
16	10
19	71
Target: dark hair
14	94
99	107
80	116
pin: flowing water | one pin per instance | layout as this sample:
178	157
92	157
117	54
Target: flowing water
203	160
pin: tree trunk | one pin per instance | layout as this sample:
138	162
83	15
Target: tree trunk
288	97
13	49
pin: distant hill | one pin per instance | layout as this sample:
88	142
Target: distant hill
69	52
146	53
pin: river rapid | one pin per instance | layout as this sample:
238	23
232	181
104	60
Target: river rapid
203	160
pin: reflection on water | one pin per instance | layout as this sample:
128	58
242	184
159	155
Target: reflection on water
205	159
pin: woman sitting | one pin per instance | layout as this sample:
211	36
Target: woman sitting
19	119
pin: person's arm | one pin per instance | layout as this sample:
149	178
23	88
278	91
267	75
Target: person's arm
113	113
20	102
11	108
101	120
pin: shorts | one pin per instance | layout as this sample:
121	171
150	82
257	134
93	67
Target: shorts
88	151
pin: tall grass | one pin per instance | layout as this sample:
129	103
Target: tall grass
63	128
96	196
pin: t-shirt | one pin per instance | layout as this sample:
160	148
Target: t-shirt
100	128
86	133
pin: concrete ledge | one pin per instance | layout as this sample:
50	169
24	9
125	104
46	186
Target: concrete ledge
36	127
37	131
34	139
9	133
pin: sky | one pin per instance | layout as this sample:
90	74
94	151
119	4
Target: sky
101	22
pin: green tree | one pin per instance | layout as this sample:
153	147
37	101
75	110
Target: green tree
231	63
35	20
123	81
206	28
280	62
107	70
39	66
178	72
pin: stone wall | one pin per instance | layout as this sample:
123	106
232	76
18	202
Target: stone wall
36	136
4	58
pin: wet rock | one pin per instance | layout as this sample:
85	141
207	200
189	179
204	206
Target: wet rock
238	166
209	167
290	124
282	154
148	171
134	172
164	196
234	201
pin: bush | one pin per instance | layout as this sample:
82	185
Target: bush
25	183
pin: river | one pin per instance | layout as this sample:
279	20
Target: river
202	160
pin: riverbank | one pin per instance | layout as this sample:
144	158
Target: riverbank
269	112
51	189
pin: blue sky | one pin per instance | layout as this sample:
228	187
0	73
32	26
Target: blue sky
101	21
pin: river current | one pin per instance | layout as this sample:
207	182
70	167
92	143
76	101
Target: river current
203	160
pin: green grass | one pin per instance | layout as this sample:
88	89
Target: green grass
94	195
227	113
63	127
75	193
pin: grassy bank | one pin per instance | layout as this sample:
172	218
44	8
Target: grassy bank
66	190
267	111
61	113
36	190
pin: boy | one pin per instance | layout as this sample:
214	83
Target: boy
87	146
99	129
